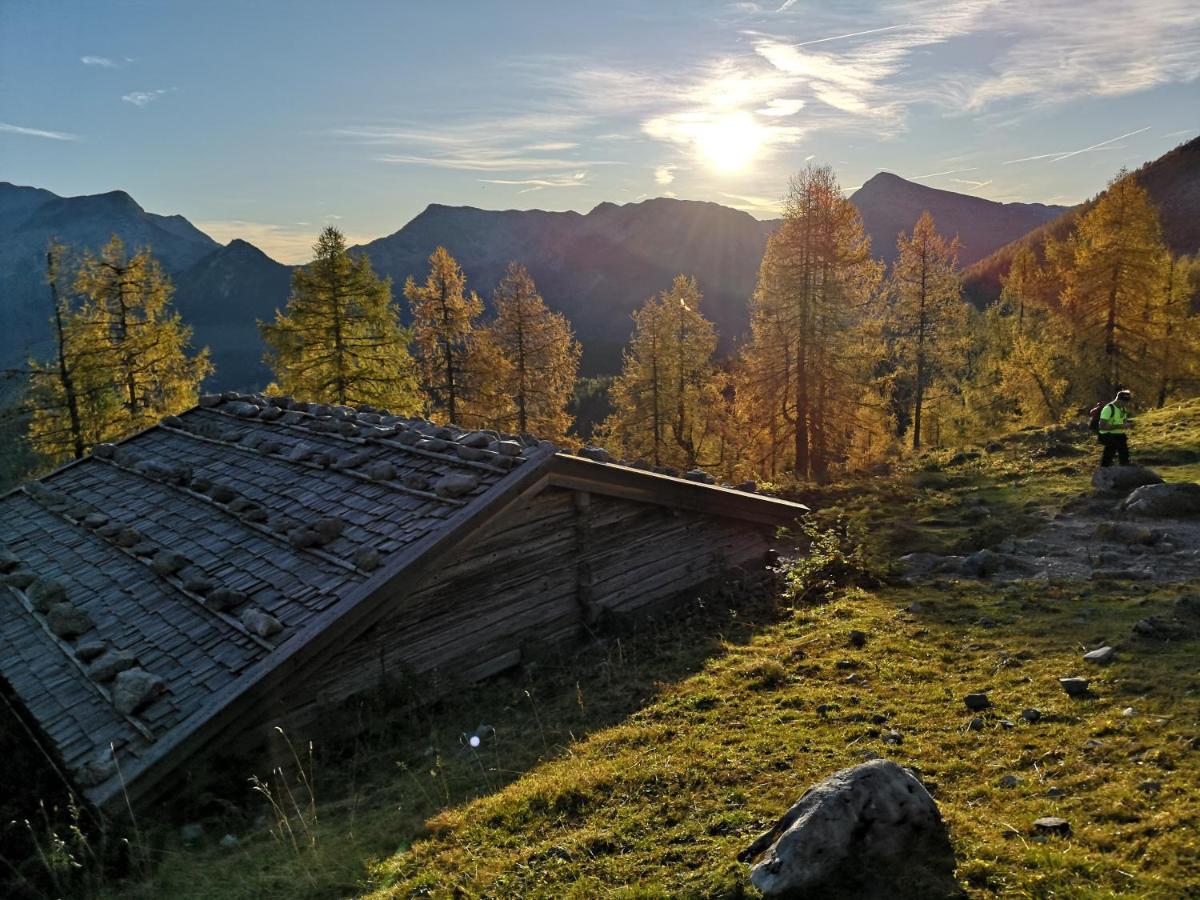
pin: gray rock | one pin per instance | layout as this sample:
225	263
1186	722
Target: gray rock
595	454
242	410
1163	501
223	599
69	621
976	724
475	439
97	770
21	579
328	529
456	484
977	702
1150	786
415	482
432	444
1187	605
381	470
1031	715
367	559
1122	479
197	581
1129	712
1008	781
1075	687
699	475
1054	792
1101	655
89	650
229	842
222	493
8	560
1127	533
95	520
473	454
104	451
857	638
982	563
508	448
168	562
192	833
44	593
261	623
106	667
135	688
871	831
1052	825
271	413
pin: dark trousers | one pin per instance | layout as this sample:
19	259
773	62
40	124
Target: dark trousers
1114	445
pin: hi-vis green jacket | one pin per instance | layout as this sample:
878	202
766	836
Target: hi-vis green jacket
1111	418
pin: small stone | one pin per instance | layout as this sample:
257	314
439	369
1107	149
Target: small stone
328	529
1150	786
595	454
134	688
144	547
270	414
455	485
415	482
381	471
432	445
300	537
1129	712
200	484
229	842
824	709
1149	628
699	475
192	833
976	724
89	650
1075	687
21	579
222	493
1008	781
977	702
9	561
243	410
210	400
46	592
1054	792
893	737
857	638
915	607
260	623
69	621
128	537
97	770
1052	825
474	454
1031	715
197	581
1100	656
104	451
508	448
168	562
366	559
475	439
95	520
222	599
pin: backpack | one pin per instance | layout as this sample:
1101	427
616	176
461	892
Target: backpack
1094	422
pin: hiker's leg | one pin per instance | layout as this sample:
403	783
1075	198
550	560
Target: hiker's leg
1110	450
1123	448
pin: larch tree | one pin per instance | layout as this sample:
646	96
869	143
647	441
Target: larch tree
339	339
1113	268
444	315
542	355
926	319
666	401
1175	341
801	378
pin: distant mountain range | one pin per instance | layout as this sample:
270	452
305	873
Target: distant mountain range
1173	183
596	267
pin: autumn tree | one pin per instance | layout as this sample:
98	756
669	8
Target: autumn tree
666	401
542	356
801	379
1113	268
340	340
122	356
1175	328
444	315
926	321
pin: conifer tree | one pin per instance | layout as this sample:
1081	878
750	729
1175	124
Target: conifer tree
666	401
1175	338
444	315
926	315
340	340
542	356
1113	268
807	363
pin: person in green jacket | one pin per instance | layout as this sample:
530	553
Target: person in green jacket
1115	423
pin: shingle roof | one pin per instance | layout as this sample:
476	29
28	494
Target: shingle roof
155	583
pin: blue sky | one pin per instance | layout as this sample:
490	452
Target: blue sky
266	120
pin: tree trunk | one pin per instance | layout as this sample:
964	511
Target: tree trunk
64	371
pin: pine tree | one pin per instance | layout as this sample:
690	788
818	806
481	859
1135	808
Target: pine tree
1113	268
807	363
926	315
666	403
444	317
542	356
340	339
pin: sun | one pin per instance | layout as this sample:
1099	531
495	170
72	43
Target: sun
731	143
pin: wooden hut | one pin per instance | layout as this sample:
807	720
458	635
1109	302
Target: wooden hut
255	560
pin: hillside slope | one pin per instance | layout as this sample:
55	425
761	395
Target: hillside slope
643	763
890	205
1173	182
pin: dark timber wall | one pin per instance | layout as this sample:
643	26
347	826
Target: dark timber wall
535	576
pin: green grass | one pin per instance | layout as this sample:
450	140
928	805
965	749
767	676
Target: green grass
642	766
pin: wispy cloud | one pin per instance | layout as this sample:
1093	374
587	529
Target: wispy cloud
752	204
143	98
782	107
102	61
1067	154
664	174
973	185
1182	132
6	128
576	179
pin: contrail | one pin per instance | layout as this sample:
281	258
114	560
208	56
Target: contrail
1061	155
948	172
838	37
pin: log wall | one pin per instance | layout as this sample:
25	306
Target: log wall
537	575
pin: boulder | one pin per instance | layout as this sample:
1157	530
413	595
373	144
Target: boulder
871	831
475	439
135	688
260	623
1163	501
1122	479
366	559
1101	655
1075	687
45	593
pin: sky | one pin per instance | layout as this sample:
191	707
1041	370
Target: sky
268	120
